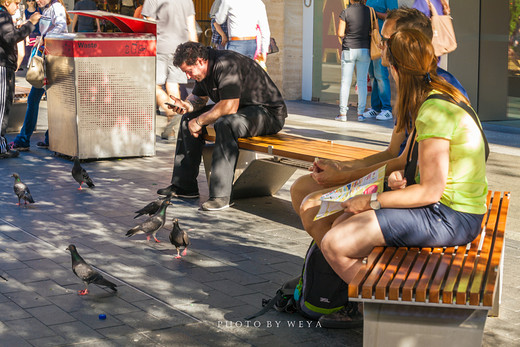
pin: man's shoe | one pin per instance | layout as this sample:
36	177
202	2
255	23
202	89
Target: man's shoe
9	154
14	146
216	204
384	115
42	144
177	192
360	118
370	113
348	317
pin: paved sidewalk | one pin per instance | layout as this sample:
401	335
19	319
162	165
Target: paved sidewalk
238	256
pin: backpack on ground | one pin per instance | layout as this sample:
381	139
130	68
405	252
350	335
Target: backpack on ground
316	292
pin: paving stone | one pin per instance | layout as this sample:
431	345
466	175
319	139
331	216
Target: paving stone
50	315
76	332
29	328
49	341
27	299
91	318
233	289
47	288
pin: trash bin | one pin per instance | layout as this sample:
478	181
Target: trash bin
101	90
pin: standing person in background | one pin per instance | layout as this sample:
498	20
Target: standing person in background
85	24
31	39
175	25
54	20
381	107
441	6
242	19
354	30
216	38
126	7
9	38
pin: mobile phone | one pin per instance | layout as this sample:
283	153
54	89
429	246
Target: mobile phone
174	105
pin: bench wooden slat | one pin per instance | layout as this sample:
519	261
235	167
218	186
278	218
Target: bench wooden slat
354	285
413	277
492	275
469	268
485	253
453	274
440	274
370	282
426	277
388	275
298	148
395	286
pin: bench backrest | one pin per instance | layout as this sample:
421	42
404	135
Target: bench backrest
463	275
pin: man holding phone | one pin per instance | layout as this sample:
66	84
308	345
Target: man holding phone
247	103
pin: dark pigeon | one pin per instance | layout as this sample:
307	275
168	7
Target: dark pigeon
178	238
86	273
152	207
21	190
152	224
80	174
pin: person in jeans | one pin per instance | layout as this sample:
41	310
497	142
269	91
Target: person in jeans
54	20
242	18
247	103
381	108
10	36
354	29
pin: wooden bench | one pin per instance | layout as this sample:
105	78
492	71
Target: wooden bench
265	176
434	296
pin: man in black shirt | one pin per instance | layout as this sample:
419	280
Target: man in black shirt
247	103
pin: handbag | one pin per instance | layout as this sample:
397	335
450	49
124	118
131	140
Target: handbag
36	69
375	36
443	34
273	47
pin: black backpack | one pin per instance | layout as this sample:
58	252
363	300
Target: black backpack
316	292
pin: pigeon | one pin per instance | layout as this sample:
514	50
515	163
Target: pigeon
86	273
21	190
152	224
80	175
178	238
152	207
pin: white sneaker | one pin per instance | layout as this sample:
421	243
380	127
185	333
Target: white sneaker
360	118
341	118
385	115
370	113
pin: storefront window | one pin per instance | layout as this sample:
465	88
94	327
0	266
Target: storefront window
514	60
327	50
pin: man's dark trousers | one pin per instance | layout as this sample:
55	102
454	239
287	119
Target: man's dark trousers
248	121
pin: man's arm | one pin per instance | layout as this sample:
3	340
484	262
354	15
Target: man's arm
221	108
221	32
74	21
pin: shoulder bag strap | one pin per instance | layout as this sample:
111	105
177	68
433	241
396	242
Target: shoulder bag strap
411	160
470	111
433	10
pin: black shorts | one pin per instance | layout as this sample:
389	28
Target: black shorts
434	225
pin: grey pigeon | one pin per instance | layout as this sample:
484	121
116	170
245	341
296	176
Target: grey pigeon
86	273
21	190
152	207
80	174
152	224
178	238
